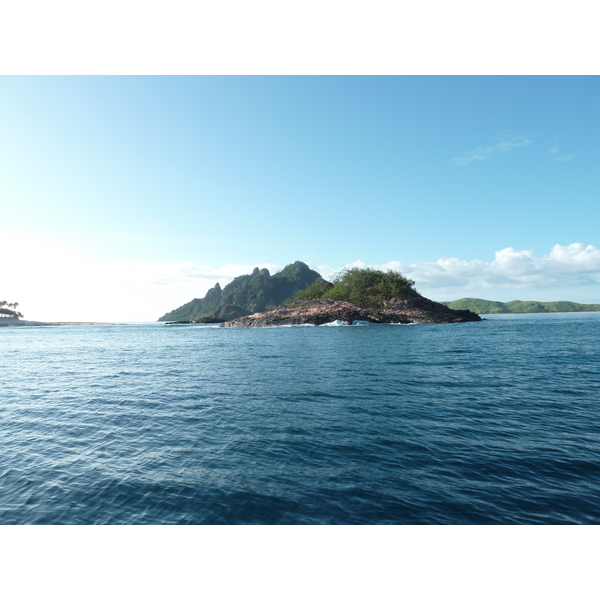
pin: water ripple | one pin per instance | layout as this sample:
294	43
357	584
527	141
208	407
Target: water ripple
492	422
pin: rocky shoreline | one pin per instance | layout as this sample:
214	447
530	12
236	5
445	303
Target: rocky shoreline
320	312
201	320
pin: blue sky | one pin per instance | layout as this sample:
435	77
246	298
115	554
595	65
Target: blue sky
150	189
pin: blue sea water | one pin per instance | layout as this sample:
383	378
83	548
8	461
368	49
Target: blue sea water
469	423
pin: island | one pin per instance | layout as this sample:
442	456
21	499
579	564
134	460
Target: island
493	307
15	322
355	295
300	296
11	317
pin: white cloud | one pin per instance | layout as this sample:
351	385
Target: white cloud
567	268
504	145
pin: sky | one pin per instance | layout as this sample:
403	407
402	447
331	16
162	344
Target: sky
122	198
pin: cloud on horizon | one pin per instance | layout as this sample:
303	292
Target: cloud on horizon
54	283
505	145
574	265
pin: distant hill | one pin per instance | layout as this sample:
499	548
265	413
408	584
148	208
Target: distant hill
246	294
490	307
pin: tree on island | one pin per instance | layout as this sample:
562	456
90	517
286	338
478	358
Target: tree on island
9	309
362	287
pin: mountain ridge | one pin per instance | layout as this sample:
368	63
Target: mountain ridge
246	294
491	307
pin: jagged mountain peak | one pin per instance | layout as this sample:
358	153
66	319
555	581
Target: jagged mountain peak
247	294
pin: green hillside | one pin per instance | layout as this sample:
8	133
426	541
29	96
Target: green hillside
479	306
246	294
490	307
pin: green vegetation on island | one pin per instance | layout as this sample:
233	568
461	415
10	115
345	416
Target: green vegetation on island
491	307
9	309
367	288
246	294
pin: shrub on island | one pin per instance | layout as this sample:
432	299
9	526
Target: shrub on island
366	287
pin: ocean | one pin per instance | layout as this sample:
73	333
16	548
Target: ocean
492	422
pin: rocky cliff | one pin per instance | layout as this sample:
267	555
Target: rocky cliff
246	294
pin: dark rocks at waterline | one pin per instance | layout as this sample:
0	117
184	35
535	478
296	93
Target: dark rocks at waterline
201	321
422	310
320	312
209	320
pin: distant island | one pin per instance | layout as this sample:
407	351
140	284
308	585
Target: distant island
298	295
491	307
16	322
11	317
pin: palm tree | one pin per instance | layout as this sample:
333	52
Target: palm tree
11	310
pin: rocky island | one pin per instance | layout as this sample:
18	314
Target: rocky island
303	297
300	296
320	312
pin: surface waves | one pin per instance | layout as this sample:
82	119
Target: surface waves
491	422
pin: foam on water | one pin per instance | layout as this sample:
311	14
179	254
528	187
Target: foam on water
340	323
290	325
